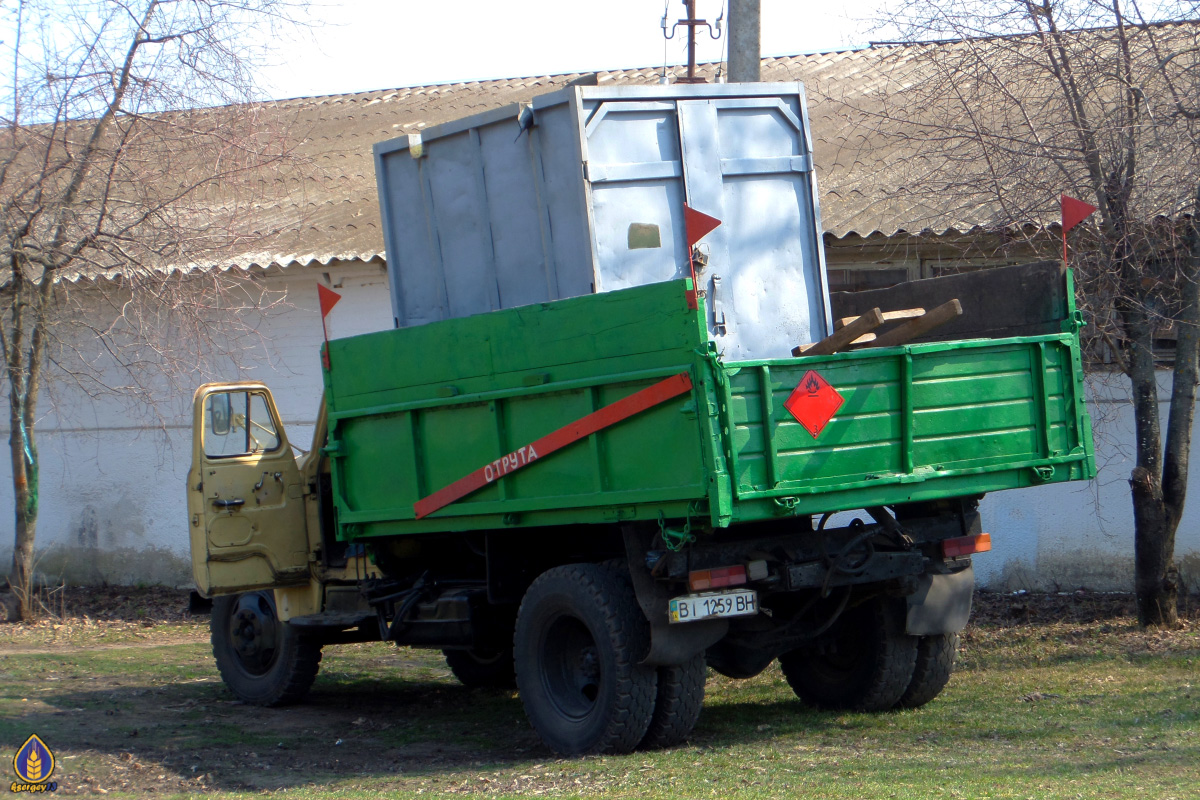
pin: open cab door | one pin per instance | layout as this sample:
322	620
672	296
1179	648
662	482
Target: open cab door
245	493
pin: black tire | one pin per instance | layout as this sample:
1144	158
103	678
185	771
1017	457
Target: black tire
865	662
678	703
935	663
478	670
579	637
263	661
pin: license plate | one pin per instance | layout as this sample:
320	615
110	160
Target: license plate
694	607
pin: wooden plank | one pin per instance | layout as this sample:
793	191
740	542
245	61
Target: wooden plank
910	330
841	338
888	316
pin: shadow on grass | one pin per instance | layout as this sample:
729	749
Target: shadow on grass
353	724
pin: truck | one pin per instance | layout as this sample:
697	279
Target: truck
586	464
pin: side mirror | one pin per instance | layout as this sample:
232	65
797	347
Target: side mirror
220	410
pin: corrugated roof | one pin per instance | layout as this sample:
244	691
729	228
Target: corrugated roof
323	207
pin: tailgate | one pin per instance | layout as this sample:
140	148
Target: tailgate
918	422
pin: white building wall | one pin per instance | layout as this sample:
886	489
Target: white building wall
112	498
112	486
1074	535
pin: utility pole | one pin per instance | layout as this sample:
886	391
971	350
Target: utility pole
745	60
691	23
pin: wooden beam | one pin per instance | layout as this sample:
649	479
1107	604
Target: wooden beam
841	338
921	325
888	316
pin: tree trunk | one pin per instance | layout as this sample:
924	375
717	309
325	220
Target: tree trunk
1156	581
1179	423
1156	576
24	482
29	304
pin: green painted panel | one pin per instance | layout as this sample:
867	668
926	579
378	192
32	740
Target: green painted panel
832	465
458	440
673	460
377	446
986	388
978	449
571	470
871	398
1003	359
971	419
843	431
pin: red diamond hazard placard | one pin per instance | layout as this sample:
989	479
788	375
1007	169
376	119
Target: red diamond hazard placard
813	403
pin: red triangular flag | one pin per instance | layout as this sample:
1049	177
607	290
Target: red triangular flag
328	299
1074	212
698	224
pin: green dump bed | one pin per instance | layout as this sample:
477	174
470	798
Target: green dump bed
615	407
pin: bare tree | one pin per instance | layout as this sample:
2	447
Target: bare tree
992	108
125	133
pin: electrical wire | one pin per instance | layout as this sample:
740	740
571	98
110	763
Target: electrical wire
666	11
723	64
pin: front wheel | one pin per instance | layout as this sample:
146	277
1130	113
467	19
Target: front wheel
263	661
865	662
579	637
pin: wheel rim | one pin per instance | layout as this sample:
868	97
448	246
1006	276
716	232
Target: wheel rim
840	652
254	633
571	669
487	658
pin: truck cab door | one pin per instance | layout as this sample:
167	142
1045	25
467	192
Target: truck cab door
245	494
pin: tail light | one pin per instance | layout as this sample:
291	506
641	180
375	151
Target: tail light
966	545
716	578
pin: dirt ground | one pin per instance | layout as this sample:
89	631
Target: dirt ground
121	683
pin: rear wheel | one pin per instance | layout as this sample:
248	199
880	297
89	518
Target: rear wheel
482	670
263	661
865	662
935	663
678	703
579	637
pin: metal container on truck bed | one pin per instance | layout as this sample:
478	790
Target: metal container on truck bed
583	191
415	413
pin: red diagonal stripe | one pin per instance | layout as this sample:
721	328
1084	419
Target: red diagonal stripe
551	442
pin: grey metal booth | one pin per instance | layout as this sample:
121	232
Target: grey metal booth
583	191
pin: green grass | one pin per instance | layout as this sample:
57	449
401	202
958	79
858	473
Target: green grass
1058	710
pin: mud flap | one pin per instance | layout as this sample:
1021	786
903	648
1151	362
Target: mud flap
678	644
669	644
941	604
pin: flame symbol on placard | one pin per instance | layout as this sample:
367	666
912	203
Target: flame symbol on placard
812	385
